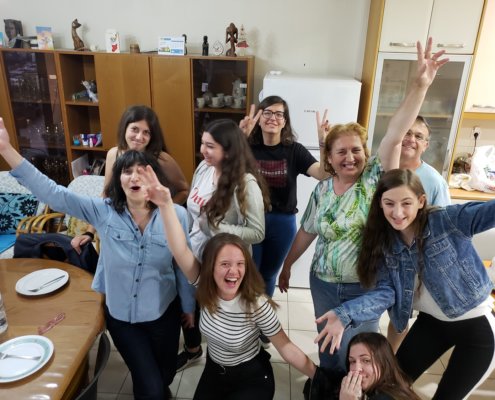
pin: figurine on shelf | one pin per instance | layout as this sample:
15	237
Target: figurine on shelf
78	43
231	36
242	43
205	46
185	43
91	89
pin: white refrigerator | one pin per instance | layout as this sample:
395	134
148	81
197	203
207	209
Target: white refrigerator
305	95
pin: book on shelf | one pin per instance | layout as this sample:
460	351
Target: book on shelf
45	38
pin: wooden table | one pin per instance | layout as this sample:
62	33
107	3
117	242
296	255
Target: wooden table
72	338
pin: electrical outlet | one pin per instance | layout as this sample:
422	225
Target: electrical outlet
476	132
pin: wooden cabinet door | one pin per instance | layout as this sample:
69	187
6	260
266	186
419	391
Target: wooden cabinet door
454	25
123	80
481	94
171	99
404	23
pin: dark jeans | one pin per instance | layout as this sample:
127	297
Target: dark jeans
280	230
149	350
472	359
252	380
192	336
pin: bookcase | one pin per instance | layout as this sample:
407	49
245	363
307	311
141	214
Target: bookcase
168	84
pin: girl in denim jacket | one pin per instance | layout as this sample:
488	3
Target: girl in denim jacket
422	258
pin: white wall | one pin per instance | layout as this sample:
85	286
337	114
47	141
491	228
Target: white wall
317	37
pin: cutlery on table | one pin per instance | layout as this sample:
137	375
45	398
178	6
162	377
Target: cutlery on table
44	285
5	355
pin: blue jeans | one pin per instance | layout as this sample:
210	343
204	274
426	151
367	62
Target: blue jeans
149	350
327	296
280	230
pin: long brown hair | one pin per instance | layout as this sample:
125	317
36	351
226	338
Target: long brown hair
336	132
378	234
252	285
237	162
287	135
391	379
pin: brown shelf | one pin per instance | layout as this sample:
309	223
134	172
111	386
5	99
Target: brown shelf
81	103
486	116
461	194
221	110
87	148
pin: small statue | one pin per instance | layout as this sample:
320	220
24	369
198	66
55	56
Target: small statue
185	43
91	89
231	36
205	46
78	43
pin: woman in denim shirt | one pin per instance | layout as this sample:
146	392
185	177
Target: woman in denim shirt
135	270
422	258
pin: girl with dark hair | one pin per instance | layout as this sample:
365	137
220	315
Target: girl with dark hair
139	129
227	195
234	311
374	373
135	270
280	160
422	258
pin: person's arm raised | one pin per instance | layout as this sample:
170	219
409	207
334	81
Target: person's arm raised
404	117
174	232
10	155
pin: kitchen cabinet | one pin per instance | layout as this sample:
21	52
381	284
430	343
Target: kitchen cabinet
386	76
481	93
453	24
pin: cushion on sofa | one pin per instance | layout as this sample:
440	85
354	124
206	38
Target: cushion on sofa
13	208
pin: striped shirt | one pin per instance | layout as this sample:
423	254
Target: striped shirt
232	333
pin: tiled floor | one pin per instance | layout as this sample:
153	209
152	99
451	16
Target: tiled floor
296	316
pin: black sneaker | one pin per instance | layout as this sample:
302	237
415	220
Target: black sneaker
186	358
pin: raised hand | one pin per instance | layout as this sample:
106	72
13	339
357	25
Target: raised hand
4	136
323	126
155	191
428	64
331	333
248	123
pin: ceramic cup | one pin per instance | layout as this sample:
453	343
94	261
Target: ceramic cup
201	102
237	102
228	100
215	101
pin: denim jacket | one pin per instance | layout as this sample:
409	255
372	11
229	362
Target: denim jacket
453	272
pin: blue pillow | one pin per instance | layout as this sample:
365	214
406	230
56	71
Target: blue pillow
13	208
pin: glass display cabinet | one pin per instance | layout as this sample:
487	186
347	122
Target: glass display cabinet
33	92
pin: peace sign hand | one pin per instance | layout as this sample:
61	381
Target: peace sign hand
323	126
248	123
155	191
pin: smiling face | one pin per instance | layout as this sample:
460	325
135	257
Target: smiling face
400	206
273	125
415	142
347	157
211	150
361	361
228	271
137	135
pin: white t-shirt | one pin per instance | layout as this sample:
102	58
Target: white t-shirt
232	333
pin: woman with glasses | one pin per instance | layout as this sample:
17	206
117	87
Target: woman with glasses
280	159
338	207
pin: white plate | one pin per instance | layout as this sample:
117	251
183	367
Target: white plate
13	369
37	278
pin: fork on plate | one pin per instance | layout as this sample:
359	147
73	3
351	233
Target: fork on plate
6	355
44	285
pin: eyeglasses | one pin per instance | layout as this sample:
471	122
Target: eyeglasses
417	136
279	115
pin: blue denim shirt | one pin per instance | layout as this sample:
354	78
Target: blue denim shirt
453	272
135	270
